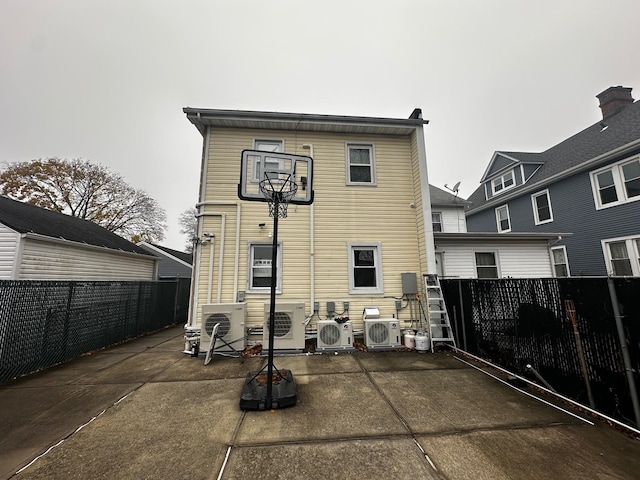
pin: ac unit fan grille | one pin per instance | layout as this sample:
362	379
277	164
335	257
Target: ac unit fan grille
222	319
329	334
282	324
378	333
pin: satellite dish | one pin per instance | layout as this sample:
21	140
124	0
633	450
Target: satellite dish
454	189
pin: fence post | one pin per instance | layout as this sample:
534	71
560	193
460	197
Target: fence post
625	350
464	329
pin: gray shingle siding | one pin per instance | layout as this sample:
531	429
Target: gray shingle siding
499	163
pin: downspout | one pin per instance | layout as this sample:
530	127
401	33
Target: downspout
221	259
212	249
237	254
426	201
312	244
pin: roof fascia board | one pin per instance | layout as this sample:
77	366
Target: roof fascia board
159	251
500	237
559	176
63	241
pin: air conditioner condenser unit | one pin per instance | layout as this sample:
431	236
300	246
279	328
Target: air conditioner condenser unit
334	336
231	317
289	327
382	333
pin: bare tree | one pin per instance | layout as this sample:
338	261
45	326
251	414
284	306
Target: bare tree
189	224
86	190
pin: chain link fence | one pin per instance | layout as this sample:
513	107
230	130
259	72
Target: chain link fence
519	322
44	323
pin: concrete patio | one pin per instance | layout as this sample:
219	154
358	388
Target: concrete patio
149	411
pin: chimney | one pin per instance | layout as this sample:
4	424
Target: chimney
613	100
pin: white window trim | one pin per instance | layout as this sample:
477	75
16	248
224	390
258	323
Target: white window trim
347	162
566	259
496	257
506	207
632	250
618	181
536	216
377	247
255	168
250	288
501	178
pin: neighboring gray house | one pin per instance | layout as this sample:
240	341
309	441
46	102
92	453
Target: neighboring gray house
173	263
589	185
463	254
38	244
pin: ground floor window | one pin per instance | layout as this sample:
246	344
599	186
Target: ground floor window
260	262
486	265
365	268
622	256
560	264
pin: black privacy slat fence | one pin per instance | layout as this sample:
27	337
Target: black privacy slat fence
44	323
518	322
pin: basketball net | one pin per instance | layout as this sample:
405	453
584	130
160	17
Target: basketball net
278	192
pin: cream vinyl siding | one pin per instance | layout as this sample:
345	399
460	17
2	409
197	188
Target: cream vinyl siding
8	250
42	260
343	214
521	260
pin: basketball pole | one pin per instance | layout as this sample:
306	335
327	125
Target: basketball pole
272	306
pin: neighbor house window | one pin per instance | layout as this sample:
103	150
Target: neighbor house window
360	165
622	256
502	183
502	219
260	263
436	221
365	268
560	264
616	184
486	266
542	207
266	146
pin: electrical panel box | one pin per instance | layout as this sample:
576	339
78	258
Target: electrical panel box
345	306
409	284
331	307
316	306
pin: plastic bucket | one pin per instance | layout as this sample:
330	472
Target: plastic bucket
422	342
409	339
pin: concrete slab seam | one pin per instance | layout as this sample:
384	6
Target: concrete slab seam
224	463
528	394
425	454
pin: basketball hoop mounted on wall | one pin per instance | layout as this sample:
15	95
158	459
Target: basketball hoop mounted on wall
278	179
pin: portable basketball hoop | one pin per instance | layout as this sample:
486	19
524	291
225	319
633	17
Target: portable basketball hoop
278	179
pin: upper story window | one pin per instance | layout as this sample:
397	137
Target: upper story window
542	212
502	183
365	268
266	145
616	184
436	221
361	167
502	219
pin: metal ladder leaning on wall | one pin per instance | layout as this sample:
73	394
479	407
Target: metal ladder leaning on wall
440	332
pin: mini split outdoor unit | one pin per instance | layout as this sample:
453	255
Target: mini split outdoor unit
289	327
334	336
380	333
231	317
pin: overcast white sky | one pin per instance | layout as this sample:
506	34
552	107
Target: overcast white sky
106	80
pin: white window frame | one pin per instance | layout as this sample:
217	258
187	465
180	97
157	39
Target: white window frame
563	249
372	164
495	259
439	214
275	142
500	181
618	183
498	225
377	256
536	211
633	251
250	267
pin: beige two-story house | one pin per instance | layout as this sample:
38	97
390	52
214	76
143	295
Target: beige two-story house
369	224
